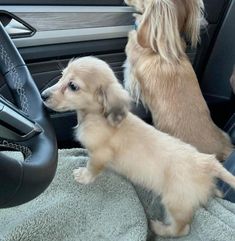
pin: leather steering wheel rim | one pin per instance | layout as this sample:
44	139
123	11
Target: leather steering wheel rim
21	181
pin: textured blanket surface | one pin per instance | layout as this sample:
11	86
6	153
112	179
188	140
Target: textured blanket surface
110	209
216	222
107	210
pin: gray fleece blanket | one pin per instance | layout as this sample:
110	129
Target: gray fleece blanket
110	209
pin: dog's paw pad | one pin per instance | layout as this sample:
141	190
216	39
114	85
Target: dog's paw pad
83	176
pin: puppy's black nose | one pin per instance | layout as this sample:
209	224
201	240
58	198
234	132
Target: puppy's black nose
45	95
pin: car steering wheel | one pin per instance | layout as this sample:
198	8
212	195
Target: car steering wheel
24	128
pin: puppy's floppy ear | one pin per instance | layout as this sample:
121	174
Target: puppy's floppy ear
159	30
194	20
115	101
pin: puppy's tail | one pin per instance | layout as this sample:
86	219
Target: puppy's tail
220	172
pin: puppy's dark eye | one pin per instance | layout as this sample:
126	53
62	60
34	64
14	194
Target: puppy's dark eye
72	86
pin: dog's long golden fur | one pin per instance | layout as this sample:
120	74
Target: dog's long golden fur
159	72
117	139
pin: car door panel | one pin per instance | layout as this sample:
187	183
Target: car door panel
68	24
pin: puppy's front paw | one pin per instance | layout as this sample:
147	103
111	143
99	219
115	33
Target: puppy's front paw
83	176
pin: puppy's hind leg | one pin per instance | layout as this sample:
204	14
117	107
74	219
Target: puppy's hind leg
180	220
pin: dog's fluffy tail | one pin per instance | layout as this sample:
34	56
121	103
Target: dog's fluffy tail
223	174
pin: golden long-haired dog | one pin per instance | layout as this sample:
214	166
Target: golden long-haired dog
159	73
117	139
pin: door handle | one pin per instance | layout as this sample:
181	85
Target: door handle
15	26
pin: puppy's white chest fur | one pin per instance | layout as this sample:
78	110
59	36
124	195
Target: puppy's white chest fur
93	132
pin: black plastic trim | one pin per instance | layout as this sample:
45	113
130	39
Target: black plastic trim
34	54
208	37
64	2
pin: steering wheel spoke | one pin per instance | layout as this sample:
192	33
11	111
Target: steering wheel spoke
14	125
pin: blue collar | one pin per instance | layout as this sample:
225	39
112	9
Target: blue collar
135	25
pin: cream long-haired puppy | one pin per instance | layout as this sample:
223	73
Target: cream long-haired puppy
117	139
159	73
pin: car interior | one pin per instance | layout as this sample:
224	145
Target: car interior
48	33
56	31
